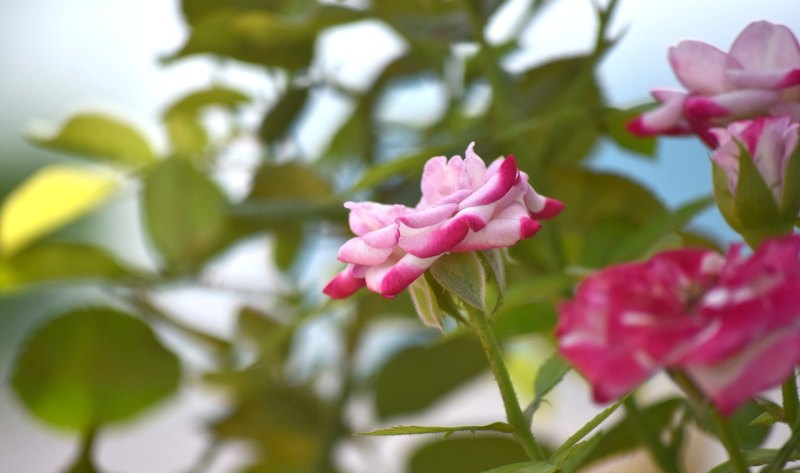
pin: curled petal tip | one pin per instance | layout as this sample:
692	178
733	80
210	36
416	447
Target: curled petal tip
552	207
343	286
528	227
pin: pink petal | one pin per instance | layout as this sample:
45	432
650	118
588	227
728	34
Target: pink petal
390	278
740	103
343	285
474	173
385	237
368	216
771	79
438	240
761	365
496	186
356	251
541	207
764	46
505	229
667	119
700	67
440	178
427	217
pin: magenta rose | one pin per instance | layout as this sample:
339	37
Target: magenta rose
465	206
732	324
759	76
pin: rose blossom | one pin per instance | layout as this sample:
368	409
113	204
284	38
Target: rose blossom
770	142
464	207
732	324
760	75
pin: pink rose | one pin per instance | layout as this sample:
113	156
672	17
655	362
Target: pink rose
732	324
770	142
464	207
760	75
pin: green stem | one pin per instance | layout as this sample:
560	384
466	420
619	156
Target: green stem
665	460
724	431
729	440
514	414
83	463
785	453
790	399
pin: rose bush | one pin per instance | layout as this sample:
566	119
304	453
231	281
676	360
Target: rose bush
759	76
465	206
731	323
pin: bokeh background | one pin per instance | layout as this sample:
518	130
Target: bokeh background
62	56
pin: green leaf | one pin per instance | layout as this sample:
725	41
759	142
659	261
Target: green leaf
288	241
91	367
263	37
642	241
100	137
750	435
463	275
281	117
614	123
402	166
425	303
289	182
501	427
765	418
58	261
573	459
550	374
587	428
417	377
182	118
185	213
755	457
465	455
53	197
623	436
527	467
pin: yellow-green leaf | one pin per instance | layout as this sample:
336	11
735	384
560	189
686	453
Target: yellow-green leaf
54	196
100	137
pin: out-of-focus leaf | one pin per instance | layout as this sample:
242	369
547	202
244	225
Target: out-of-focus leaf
185	213
288	241
289	181
182	118
750	435
613	125
639	243
463	275
466	455
52	197
501	427
601	210
91	367
623	437
100	137
563	85
417	377
263	37
280	118
196	10
790	200
586	429
435	23
755	457
407	165
284	422
58	261
527	467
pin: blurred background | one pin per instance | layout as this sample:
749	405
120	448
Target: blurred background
133	60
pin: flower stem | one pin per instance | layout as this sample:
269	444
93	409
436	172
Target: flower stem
728	438
514	414
790	399
724	431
